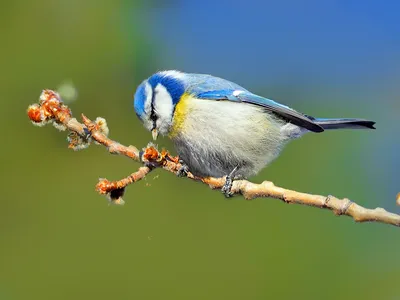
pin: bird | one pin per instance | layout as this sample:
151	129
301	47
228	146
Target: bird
219	128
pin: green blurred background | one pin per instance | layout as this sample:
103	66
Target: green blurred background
176	239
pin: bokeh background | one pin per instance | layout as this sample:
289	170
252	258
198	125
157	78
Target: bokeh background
176	239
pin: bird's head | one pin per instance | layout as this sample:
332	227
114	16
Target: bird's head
155	100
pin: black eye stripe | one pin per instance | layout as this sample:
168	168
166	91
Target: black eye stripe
153	115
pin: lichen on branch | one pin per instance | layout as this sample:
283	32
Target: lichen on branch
52	110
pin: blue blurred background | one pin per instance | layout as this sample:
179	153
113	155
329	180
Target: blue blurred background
176	239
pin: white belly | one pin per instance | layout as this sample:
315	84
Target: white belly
216	136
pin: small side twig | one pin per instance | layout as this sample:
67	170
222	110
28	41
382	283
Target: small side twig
52	110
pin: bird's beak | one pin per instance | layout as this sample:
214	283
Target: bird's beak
154	133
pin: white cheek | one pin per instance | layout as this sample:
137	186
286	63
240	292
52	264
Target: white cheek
147	103
163	104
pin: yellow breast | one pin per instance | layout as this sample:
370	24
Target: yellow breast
181	111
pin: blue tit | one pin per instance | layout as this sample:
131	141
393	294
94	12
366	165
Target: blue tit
218	126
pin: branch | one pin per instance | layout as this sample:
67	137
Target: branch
51	110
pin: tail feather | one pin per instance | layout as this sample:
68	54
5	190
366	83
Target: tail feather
344	123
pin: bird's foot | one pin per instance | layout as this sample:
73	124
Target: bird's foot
227	188
183	170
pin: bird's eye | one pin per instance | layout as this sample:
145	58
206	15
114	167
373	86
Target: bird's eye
153	115
154	118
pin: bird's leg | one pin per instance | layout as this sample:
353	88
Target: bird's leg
227	188
183	170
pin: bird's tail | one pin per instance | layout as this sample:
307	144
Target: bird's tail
344	123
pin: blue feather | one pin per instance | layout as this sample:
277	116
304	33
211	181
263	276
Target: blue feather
173	85
139	100
218	95
198	83
281	110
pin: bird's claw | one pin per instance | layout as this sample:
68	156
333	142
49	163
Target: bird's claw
227	188
183	170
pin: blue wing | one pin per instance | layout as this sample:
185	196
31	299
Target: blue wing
199	83
282	111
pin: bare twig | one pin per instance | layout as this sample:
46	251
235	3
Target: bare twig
52	110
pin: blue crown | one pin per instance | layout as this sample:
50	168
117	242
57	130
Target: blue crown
174	86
